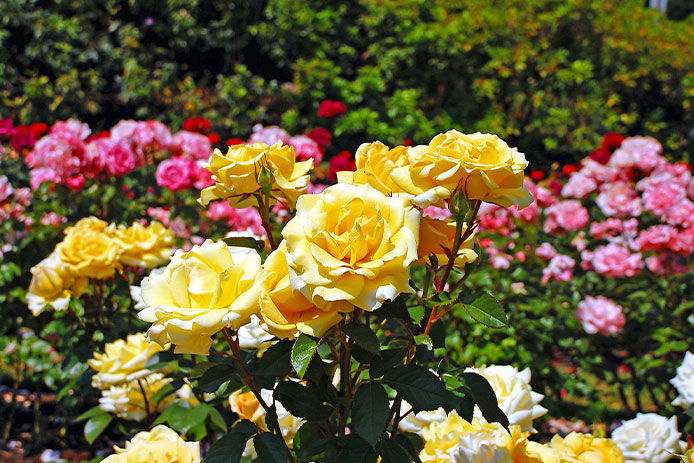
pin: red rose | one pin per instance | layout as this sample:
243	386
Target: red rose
569	169
98	136
197	124
537	175
22	138
213	137
612	141
38	129
343	161
601	155
407	142
320	136
234	141
331	108
76	182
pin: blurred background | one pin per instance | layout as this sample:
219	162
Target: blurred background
549	76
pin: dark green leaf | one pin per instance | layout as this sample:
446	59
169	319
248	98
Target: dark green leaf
217	419
309	441
487	310
213	377
370	411
200	368
412	443
271	420
229	448
302	352
90	413
386	360
393	309
392	452
418	386
245	242
96	425
356	450
416	313
276	360
270	448
362	335
302	401
483	395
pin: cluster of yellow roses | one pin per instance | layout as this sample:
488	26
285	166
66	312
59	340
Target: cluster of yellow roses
94	249
350	246
127	385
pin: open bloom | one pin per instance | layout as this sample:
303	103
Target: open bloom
123	360
567	215
351	245
580	448
374	162
88	250
236	173
615	261
141	246
199	293
481	164
684	382
648	438
160	445
52	284
600	315
132	399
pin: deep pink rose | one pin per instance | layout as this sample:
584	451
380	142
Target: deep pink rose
306	148
615	261
174	173
619	199
331	108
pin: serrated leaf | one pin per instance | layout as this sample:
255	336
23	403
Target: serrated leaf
270	448
424	340
484	397
217	419
362	335
229	448
370	411
302	401
487	310
418	386
357	450
416	313
302	352
95	426
276	361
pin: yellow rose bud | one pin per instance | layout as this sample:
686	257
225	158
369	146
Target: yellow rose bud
146	247
88	250
481	164
52	283
375	161
123	361
584	448
285	312
236	174
246	405
436	234
199	293
351	245
160	445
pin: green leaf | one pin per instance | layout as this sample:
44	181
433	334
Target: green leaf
418	386
392	452
357	450
362	335
308	441
213	377
276	361
386	360
90	413
95	426
303	350
370	411
302	401
217	419
270	448
412	443
200	368
487	310
167	390
245	242
393	309
425	340
485	398
230	447
416	313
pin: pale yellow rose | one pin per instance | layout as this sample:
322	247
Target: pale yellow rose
123	360
351	245
287	313
141	246
200	292
437	233
584	448
236	173
481	164
52	284
160	445
375	161
127	400
88	250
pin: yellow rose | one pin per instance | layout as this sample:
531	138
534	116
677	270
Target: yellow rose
52	283
584	448
351	245
435	234
481	164
375	161
160	445
285	312
88	250
236	173
123	361
246	405
127	400
141	246
199	293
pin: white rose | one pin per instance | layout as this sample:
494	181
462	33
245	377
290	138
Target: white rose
252	336
684	382
417	422
127	400
513	392
648	438
487	445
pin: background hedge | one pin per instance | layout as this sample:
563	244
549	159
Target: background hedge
550	76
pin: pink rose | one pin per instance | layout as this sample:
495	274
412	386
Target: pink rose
579	185
598	172
61	154
71	127
193	144
43	174
246	220
201	177
606	229
566	215
662	196
619	199
75	183
269	135
434	212
174	173
616	261
640	152
545	251
143	136
113	156
600	315
542	195
560	268
500	261
5	188
306	148
53	219
218	210
528	214
656	238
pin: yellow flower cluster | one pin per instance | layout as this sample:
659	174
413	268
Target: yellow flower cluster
455	439
160	445
94	249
